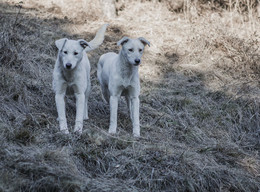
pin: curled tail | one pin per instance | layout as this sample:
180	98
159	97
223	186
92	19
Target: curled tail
98	40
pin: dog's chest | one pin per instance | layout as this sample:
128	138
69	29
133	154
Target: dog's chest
126	82
126	78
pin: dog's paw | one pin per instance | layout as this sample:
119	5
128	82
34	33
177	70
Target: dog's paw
85	117
64	127
112	131
78	127
136	132
65	131
78	131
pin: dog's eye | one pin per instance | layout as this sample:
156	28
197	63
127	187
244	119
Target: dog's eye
65	52
131	50
75	53
140	50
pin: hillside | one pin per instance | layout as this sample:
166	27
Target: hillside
199	102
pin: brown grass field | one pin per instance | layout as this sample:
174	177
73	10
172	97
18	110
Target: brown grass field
200	98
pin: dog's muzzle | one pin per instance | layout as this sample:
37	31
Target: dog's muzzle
68	65
137	62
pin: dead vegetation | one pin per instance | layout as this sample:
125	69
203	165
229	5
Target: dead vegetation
199	104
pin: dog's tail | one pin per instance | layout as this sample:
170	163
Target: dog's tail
98	40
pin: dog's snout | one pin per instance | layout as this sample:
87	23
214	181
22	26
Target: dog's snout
68	65
137	61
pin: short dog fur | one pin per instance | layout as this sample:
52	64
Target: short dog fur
72	70
118	76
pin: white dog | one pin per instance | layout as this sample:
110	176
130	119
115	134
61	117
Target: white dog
72	69
118	76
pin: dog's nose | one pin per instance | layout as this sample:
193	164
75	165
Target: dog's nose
137	61
68	65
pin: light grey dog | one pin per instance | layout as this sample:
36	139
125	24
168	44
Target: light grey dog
118	76
72	70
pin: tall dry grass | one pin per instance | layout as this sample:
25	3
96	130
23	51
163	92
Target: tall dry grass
199	105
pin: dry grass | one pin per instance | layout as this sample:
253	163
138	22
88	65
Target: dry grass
199	103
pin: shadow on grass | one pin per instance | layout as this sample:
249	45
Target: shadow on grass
193	139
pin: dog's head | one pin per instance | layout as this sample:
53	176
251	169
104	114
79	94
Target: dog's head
133	49
70	52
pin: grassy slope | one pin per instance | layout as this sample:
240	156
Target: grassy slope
199	105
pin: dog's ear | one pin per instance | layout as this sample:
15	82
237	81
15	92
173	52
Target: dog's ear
122	41
84	43
144	41
60	43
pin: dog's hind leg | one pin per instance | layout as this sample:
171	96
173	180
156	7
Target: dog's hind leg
106	94
128	102
87	92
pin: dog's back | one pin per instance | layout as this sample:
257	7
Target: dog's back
105	64
106	58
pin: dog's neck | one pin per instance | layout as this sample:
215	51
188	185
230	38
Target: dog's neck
67	75
126	69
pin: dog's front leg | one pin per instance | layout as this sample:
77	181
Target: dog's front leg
113	101
80	104
60	104
135	116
